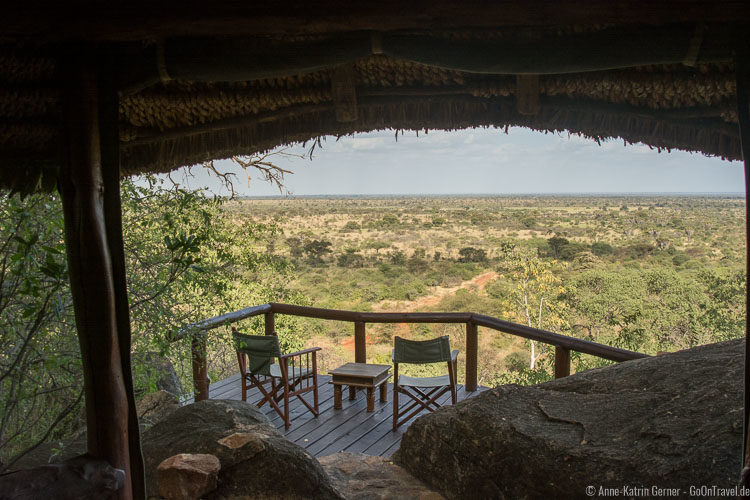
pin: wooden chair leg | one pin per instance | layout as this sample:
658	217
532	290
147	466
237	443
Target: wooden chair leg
395	407
287	423
315	384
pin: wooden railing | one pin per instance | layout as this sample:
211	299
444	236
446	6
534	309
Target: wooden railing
563	344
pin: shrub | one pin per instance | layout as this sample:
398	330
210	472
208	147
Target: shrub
600	248
680	258
471	254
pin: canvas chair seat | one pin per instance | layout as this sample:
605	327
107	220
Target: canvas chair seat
294	372
440	381
256	355
424	392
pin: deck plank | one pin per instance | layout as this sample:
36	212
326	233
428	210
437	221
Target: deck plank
351	428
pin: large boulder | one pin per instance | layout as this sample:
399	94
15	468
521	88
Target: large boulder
187	476
161	372
155	406
80	478
364	477
672	421
256	460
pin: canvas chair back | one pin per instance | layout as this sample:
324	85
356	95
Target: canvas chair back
260	349
421	351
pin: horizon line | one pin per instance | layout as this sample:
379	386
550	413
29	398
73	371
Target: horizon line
544	194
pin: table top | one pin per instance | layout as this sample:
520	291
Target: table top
362	370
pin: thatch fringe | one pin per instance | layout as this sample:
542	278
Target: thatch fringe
420	113
177	123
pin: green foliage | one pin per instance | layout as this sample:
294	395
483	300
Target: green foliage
600	248
556	246
186	261
680	258
350	259
316	250
471	254
40	389
398	258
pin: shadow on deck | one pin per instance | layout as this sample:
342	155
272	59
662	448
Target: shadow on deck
349	429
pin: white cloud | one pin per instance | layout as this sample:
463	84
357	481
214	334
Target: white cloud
363	143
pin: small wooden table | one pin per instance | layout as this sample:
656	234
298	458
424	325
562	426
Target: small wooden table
360	375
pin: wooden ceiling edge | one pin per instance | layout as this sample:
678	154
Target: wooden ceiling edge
142	19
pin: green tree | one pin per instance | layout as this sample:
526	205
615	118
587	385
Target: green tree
531	289
316	250
376	245
185	261
40	390
556	246
471	254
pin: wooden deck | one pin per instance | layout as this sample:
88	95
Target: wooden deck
349	429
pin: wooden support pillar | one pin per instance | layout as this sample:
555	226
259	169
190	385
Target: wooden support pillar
200	366
562	362
742	65
472	355
109	117
360	343
270	323
94	280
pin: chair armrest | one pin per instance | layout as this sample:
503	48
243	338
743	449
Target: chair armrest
454	355
304	351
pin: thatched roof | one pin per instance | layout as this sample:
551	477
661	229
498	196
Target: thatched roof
187	100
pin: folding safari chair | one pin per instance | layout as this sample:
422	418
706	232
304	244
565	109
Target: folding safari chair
423	391
289	376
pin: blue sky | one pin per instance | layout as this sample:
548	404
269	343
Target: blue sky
489	161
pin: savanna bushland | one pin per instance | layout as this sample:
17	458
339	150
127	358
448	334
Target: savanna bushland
650	274
644	273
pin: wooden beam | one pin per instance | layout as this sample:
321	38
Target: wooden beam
562	362
742	65
200	366
360	343
270	324
110	160
222	319
472	356
143	19
90	269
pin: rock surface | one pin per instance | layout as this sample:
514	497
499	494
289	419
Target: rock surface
80	478
187	476
256	460
669	421
155	406
162	371
364	477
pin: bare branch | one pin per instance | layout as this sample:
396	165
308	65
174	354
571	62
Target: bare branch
59	419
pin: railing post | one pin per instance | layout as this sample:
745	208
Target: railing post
200	367
270	324
472	348
360	343
562	362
